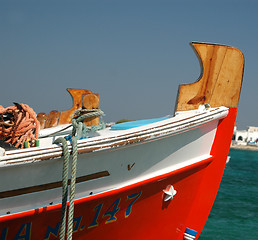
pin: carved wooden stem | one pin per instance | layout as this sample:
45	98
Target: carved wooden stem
220	81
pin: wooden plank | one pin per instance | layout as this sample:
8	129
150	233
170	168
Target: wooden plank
220	81
48	186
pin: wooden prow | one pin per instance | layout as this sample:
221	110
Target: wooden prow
220	80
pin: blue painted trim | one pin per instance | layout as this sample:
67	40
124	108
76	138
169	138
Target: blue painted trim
191	232
133	124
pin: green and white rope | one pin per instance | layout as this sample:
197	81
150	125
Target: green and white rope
79	130
64	185
72	191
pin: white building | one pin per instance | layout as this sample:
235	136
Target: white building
245	137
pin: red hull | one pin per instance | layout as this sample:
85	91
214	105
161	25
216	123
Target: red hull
137	211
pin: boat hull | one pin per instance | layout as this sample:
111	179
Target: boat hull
138	210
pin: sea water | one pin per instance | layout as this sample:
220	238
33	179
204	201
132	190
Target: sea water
235	211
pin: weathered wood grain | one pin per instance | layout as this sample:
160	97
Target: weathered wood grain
76	94
42	117
90	101
52	119
220	80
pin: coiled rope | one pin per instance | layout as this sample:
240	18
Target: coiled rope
79	131
18	123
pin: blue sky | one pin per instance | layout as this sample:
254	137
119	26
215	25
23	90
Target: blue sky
133	53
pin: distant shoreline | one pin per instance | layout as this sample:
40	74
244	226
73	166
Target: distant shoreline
244	147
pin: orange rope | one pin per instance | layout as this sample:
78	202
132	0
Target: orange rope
17	124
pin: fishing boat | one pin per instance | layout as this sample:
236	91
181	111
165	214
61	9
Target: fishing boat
72	177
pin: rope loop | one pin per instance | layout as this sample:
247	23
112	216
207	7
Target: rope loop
80	128
92	113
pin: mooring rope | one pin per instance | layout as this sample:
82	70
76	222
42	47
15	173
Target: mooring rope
64	185
79	130
72	191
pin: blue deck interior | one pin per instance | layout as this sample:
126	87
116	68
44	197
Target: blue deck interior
133	124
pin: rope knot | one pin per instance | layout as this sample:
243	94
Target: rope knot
79	116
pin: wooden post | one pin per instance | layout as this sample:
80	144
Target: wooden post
52	119
90	101
42	117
